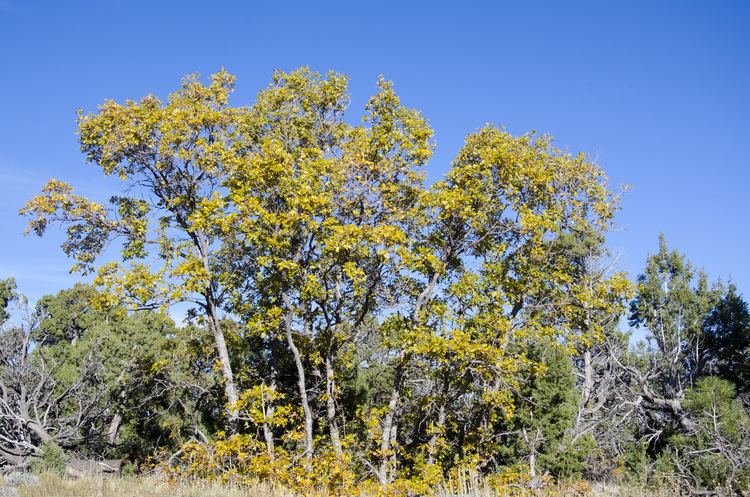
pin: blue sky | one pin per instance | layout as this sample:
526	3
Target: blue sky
658	92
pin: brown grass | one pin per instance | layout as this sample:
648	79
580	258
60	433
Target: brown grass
139	487
152	487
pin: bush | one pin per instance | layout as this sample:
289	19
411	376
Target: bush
129	469
715	454
51	460
635	462
17	479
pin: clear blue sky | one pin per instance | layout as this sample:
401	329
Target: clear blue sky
659	92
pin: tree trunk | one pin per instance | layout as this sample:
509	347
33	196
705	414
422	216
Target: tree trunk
114	429
230	389
532	450
588	377
432	445
389	422
388	426
333	427
442	415
301	382
269	411
268	437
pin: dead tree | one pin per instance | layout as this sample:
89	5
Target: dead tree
38	403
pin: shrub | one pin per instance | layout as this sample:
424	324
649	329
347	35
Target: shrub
17	479
714	455
51	460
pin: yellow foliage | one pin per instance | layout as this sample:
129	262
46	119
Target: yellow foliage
243	460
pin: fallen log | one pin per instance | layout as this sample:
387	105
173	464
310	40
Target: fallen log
78	468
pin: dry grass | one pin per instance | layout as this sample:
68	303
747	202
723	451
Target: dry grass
605	490
151	487
139	487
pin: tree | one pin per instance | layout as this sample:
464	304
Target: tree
480	275
714	457
169	157
672	302
46	399
545	411
322	207
101	384
689	423
598	295
7	295
66	316
316	260
727	341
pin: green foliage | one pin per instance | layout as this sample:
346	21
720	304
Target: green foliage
51	460
715	454
568	459
635	461
68	314
7	295
147	370
129	469
546	405
727	334
672	302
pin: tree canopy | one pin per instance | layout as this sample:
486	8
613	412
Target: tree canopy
350	323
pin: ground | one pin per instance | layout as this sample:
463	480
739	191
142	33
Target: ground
150	487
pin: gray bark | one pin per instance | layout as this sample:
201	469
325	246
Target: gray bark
301	379
333	427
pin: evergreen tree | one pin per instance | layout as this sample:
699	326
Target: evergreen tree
546	408
727	337
672	302
7	294
715	455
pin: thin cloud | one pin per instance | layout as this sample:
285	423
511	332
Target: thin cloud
51	273
18	178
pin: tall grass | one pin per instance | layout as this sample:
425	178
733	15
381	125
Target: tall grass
468	486
140	487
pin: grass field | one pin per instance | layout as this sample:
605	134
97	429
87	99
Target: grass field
151	487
